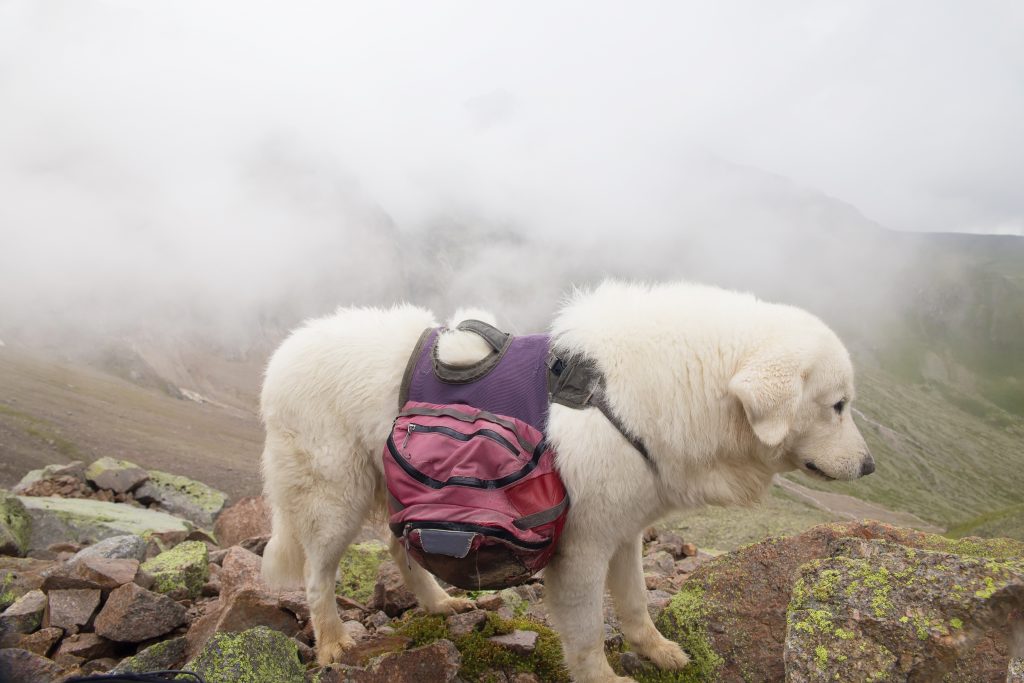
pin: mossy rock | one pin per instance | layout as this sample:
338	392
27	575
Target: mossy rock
357	571
881	611
78	520
116	475
184	497
480	656
160	656
15	526
259	655
180	571
684	620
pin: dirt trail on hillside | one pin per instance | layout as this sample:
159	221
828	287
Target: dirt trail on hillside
854	508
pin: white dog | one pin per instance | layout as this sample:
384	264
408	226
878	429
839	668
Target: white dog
724	390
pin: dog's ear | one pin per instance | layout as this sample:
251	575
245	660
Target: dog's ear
770	391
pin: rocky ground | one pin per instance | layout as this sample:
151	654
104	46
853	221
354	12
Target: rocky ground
111	567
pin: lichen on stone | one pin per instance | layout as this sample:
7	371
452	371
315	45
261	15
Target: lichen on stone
184	568
15	525
259	655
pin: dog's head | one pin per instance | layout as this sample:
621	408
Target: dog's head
796	390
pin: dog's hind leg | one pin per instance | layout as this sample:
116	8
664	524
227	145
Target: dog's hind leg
626	583
429	594
573	589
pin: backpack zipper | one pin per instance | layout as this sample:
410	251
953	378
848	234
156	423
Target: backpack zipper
459	436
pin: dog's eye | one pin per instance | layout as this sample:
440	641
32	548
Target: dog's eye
838	407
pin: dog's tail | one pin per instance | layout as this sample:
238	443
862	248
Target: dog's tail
283	558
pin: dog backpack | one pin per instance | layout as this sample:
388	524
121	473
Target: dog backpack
473	494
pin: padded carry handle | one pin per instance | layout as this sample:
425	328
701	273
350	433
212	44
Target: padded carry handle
498	341
491	334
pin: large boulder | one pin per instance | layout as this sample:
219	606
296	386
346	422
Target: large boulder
183	497
14	526
730	615
62	520
258	655
881	611
181	571
119	476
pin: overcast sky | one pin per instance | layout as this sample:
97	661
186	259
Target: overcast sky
136	133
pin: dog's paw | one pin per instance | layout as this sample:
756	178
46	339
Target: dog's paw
452	606
330	651
664	653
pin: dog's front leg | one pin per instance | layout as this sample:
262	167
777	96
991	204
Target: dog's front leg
573	591
626	583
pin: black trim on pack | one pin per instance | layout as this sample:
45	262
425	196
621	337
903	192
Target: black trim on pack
468	417
410	367
400	529
494	436
471	482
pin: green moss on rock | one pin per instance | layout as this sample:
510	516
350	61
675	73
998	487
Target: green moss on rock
15	526
480	656
358	570
182	569
185	497
259	655
685	621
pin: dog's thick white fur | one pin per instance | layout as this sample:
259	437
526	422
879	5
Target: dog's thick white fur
725	391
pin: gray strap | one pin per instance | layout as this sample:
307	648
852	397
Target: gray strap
492	335
542	517
577	382
459	374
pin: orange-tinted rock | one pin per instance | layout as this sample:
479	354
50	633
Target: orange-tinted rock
247	518
133	614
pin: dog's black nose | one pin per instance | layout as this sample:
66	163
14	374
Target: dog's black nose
868	467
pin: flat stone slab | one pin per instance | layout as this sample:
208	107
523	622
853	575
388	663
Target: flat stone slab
519	642
60	520
184	497
71	609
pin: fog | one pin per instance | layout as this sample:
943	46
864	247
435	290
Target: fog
233	165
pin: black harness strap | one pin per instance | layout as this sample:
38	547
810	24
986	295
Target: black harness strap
577	383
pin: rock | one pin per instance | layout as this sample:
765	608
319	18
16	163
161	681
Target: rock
133	614
74	470
256	544
19	575
22	665
14	526
119	476
62	486
377	620
181	571
98	666
390	594
91	572
730	614
295	602
247	518
519	642
373	646
657	601
491	602
670	543
25	615
465	623
359	569
72	609
56	520
167	654
659	563
634	665
125	547
1015	672
42	641
259	655
183	497
355	629
881	610
85	646
248	608
437	662
240	569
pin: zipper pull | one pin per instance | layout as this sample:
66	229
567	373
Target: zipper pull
408	432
